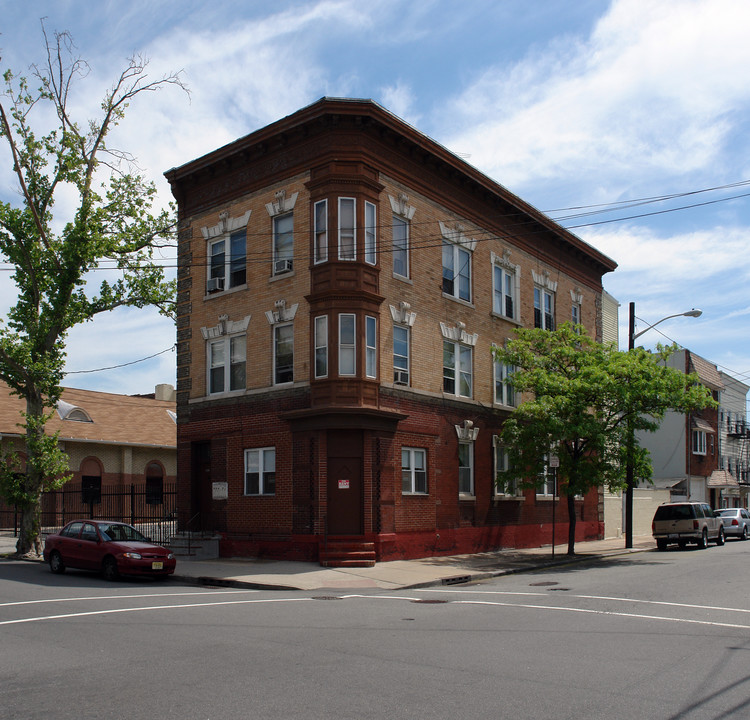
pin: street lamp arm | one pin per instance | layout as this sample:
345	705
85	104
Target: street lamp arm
689	313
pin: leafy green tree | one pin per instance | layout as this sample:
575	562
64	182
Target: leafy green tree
52	257
583	402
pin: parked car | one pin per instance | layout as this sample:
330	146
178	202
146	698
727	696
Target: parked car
736	522
686	522
112	548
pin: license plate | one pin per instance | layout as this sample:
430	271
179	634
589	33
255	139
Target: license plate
673	536
157	565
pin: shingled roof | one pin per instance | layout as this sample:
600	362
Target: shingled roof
98	417
708	373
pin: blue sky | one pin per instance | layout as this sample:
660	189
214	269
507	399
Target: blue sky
579	108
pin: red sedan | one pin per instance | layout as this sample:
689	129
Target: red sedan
111	548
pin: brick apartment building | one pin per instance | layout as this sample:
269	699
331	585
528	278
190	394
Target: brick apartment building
342	280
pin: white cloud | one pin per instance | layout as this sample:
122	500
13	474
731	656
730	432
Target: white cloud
650	90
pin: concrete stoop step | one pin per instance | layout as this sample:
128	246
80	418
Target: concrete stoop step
199	546
347	553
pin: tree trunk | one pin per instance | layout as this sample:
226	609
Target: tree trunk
29	541
571	524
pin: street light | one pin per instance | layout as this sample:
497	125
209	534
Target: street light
632	335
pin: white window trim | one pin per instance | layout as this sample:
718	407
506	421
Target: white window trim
699	447
354	229
353	345
261	452
226	329
517	493
275	329
371	233
227	366
505	371
472	492
371	351
281	265
324	254
459	369
320	343
412	472
222	232
398	379
503	262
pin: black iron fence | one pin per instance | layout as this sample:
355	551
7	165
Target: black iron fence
149	507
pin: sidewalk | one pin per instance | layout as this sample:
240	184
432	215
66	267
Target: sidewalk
396	574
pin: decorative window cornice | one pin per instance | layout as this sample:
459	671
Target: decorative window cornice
282	204
576	295
402	314
504	260
456	235
227	224
467	432
400	206
226	326
458	333
282	313
543	280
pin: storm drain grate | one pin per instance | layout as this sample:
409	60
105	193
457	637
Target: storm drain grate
544	583
430	602
326	597
458	580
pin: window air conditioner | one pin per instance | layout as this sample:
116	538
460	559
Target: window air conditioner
400	377
282	266
214	284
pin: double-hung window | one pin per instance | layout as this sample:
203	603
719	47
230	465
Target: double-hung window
347	229
546	480
400	247
347	344
466	468
544	309
260	471
321	231
699	442
321	346
226	363
371	351
503	487
227	258
504	393
504	286
457	369
283	243
400	355
370	234
413	471
283	354
456	271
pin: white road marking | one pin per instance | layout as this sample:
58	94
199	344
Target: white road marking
122	597
141	609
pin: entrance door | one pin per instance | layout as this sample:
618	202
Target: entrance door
345	483
200	487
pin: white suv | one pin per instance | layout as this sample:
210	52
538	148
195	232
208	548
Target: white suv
684	522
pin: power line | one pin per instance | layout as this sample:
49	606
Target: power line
122	365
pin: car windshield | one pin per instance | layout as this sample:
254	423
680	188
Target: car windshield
120	533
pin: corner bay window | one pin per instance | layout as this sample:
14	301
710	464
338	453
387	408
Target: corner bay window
347	345
347	229
226	363
260	471
321	231
321	346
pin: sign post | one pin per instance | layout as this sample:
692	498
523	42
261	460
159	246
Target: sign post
554	463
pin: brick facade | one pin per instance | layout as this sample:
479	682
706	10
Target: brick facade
337	437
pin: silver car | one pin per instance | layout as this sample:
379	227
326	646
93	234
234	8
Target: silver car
736	522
